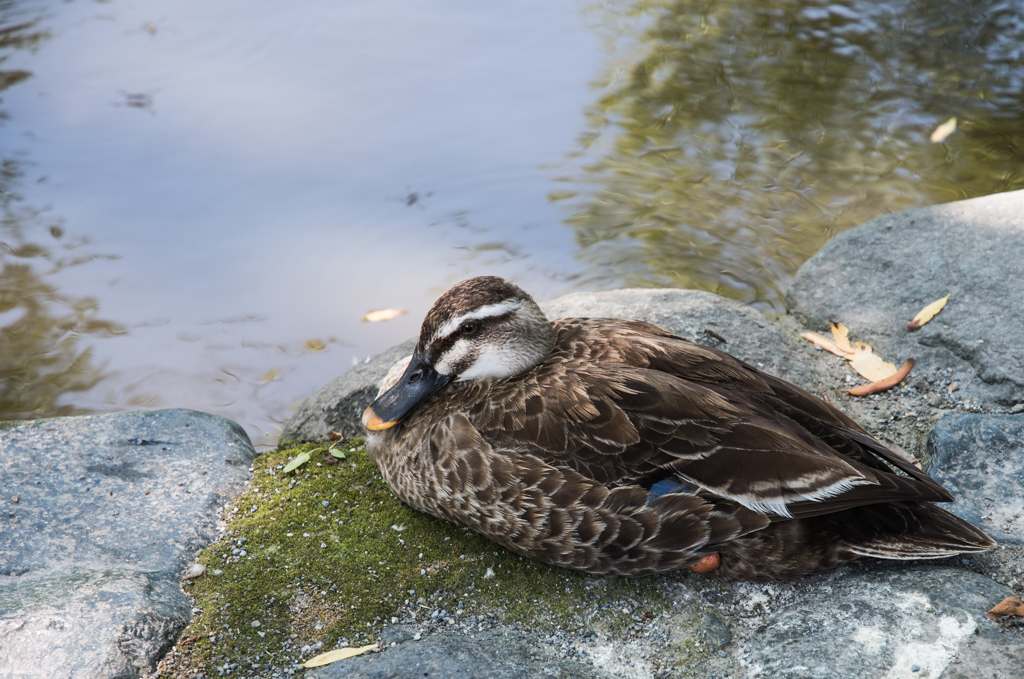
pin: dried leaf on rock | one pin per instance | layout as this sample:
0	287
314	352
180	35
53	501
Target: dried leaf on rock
196	570
1011	605
870	365
826	344
383	315
926	314
336	655
884	384
944	130
841	334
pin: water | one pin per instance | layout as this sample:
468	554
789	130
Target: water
200	200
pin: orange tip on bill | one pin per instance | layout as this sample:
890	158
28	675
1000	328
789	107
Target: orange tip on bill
372	422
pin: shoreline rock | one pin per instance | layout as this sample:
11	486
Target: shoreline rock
103	514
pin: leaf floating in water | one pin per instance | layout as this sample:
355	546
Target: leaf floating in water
1011	605
944	130
383	315
886	384
336	655
926	314
270	376
314	345
297	461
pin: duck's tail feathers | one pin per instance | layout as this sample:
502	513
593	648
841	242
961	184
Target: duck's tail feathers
919	530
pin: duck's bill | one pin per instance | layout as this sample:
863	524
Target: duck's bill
419	381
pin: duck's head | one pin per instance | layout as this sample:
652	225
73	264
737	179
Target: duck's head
483	328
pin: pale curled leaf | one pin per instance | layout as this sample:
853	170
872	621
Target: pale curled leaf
336	655
297	461
314	345
885	384
196	570
944	130
826	344
841	334
870	365
383	315
928	313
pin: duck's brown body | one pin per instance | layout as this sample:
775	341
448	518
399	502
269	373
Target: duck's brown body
629	451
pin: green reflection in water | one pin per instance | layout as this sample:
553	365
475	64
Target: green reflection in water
732	139
41	357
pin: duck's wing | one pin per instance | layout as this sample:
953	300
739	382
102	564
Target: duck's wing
550	512
626	403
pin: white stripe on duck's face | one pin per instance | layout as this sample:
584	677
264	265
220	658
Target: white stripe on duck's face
494	341
490	311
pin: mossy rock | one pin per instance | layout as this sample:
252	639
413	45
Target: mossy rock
332	558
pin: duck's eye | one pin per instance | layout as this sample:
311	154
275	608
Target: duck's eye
469	328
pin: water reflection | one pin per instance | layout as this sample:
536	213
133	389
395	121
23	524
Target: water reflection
732	139
41	353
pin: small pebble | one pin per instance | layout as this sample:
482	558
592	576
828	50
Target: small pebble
914	668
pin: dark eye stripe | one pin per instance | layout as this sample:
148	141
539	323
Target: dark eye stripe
443	344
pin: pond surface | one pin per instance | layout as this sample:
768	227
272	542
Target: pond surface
201	200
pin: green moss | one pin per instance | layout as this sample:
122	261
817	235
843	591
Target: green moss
337	572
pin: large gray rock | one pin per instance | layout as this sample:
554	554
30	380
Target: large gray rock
498	654
883	622
102	516
691	314
876	277
980	459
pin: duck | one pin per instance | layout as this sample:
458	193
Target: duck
616	448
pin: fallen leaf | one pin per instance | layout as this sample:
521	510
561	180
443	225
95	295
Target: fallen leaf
926	314
1011	605
336	453
297	461
315	345
194	572
870	365
336	655
884	384
944	130
270	376
841	334
826	344
383	315
953	386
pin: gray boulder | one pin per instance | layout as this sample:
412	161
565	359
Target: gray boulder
876	277
889	621
493	654
980	459
698	316
102	516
